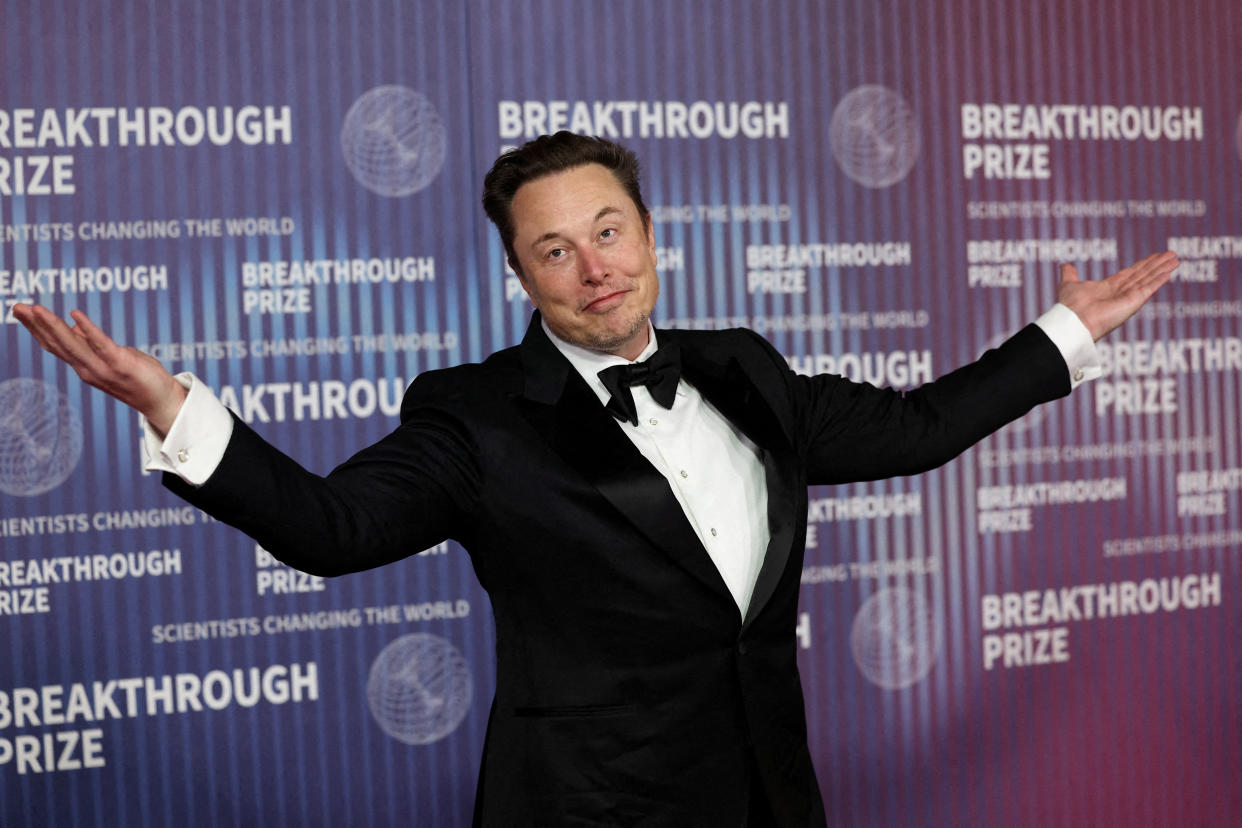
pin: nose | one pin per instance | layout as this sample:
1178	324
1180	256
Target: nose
592	266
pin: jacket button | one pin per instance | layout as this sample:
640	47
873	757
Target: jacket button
741	648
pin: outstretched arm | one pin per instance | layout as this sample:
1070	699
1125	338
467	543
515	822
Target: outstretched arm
129	375
406	493
1104	305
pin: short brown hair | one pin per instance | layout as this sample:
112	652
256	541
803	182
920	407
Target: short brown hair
546	155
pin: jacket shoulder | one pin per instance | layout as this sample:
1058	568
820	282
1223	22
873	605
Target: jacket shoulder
465	387
751	351
728	342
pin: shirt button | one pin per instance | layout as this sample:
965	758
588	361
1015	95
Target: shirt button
1078	375
713	533
653	421
684	474
183	455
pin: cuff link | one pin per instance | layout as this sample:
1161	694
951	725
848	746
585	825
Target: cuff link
1077	375
183	455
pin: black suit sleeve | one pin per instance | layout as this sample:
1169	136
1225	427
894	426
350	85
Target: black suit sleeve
852	431
401	495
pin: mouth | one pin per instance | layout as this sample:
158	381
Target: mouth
606	302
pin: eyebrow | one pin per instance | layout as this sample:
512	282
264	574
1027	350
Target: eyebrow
604	211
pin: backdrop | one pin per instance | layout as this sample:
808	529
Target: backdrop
283	198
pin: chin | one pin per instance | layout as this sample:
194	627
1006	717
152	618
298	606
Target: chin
611	340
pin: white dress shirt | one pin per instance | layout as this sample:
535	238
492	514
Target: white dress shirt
714	470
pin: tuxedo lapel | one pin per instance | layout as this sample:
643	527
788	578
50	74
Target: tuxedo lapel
562	408
727	387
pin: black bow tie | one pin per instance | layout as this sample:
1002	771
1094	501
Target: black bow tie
659	373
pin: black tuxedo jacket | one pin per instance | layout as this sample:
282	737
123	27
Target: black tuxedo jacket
629	688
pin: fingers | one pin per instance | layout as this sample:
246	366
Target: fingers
1147	274
1069	273
90	330
1155	263
126	374
44	326
70	345
57	337
1152	272
91	334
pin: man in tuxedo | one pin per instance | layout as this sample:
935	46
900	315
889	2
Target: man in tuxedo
633	500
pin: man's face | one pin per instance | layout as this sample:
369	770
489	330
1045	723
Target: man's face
586	259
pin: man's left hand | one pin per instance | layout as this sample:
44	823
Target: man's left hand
1104	305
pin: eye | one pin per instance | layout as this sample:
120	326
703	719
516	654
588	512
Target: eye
555	253
607	233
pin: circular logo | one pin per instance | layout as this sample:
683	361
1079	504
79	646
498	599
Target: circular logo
40	437
874	136
894	638
419	689
393	141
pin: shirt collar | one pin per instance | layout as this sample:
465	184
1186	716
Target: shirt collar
589	363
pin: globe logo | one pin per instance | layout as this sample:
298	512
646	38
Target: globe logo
40	437
419	689
894	638
874	136
393	141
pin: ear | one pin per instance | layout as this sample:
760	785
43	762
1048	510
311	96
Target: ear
651	245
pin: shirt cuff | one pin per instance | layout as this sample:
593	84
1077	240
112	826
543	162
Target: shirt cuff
1074	342
195	442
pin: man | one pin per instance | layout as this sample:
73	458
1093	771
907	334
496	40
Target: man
642	560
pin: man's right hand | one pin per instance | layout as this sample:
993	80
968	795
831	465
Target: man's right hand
129	375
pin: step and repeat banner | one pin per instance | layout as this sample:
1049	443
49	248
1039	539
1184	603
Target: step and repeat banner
283	198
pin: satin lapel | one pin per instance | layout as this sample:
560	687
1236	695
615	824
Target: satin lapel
731	391
560	406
